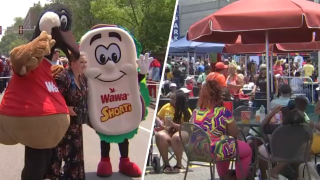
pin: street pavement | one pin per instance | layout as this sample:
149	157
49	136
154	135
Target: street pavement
195	172
12	157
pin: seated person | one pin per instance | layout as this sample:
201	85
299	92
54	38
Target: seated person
292	114
173	88
285	97
169	118
226	94
285	91
186	92
189	85
214	118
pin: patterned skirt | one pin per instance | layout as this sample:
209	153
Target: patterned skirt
69	150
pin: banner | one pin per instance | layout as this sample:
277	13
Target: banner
176	29
215	57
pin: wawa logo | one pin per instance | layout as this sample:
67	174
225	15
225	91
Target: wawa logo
106	98
51	87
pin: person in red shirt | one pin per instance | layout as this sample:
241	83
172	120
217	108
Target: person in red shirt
277	68
189	85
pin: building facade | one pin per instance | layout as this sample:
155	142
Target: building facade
191	11
31	20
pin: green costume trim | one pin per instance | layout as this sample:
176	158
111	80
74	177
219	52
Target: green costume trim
117	138
145	95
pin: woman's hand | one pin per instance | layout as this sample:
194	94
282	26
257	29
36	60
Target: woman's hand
71	111
159	123
169	123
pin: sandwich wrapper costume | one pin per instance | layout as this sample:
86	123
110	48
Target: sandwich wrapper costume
32	111
116	102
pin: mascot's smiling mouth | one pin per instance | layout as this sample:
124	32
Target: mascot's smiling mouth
123	74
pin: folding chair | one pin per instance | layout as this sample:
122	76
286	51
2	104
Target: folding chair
297	139
315	118
196	143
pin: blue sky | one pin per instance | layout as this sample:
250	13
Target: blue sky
15	8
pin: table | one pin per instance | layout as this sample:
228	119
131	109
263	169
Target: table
252	125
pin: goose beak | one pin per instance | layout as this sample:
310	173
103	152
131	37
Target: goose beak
67	41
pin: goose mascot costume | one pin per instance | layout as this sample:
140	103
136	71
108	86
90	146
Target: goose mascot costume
32	111
116	102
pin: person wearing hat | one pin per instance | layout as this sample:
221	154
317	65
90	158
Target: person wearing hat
189	85
173	88
218	75
186	92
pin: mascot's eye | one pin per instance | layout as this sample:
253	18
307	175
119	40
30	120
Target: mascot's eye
114	53
63	21
101	55
102	59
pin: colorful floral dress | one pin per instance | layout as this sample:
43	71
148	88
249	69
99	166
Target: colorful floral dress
70	149
214	122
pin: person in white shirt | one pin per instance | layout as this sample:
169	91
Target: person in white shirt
55	58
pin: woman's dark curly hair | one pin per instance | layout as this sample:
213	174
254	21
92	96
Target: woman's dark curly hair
211	95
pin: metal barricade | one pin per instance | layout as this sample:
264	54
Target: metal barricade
4	81
301	86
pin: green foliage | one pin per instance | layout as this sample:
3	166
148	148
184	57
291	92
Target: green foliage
83	19
11	38
148	20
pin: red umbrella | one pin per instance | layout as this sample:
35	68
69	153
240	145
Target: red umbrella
239	48
277	48
301	47
284	20
258	22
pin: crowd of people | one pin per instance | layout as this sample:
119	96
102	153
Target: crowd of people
5	73
223	83
237	77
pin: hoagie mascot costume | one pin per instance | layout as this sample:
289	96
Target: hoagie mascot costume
32	111
116	103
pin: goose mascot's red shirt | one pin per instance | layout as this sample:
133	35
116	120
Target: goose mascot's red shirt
33	95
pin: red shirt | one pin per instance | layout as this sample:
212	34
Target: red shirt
190	87
33	95
277	70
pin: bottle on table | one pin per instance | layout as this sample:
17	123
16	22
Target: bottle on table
262	113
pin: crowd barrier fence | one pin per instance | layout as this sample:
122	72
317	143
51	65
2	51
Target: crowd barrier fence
301	86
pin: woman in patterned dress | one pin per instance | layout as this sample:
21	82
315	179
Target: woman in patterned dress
73	86
218	122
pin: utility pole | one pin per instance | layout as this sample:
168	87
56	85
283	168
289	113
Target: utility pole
20	30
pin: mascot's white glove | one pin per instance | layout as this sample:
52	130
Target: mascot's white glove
144	62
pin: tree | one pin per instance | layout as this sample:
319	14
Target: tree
82	18
11	38
149	20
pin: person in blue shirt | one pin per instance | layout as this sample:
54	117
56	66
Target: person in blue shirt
200	68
